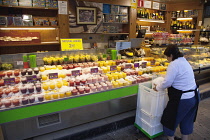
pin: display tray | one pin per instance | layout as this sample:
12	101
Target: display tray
23	112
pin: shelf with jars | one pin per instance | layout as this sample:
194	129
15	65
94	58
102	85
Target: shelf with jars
148	15
24	24
115	18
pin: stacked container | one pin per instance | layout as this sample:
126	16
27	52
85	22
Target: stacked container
150	106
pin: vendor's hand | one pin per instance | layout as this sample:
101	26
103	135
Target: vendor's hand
154	88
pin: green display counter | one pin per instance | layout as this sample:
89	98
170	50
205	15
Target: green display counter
22	112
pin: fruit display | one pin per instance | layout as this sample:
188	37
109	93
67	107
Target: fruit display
6	66
21	87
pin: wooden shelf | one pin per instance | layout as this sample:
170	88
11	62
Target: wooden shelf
28	7
38	44
115	22
151	9
116	33
28	27
151	20
115	14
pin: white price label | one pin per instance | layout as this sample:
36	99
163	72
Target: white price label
20	63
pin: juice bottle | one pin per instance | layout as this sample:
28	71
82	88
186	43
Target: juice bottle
68	93
44	77
55	96
45	86
52	85
118	68
115	76
59	84
124	75
59	67
47	97
61	95
140	72
42	69
65	83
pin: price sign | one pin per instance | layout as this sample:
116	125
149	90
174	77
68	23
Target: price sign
75	72
113	68
136	65
71	44
144	64
128	66
31	78
20	63
9	81
152	62
94	70
53	75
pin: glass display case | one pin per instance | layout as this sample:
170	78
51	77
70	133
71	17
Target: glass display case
197	55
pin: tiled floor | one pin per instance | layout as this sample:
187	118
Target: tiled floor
201	128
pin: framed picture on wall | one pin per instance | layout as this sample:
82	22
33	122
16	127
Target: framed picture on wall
86	15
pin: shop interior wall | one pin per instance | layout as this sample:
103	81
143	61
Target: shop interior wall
189	6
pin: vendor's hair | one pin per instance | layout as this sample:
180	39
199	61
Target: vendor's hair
174	50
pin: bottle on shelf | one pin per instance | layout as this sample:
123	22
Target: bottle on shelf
144	13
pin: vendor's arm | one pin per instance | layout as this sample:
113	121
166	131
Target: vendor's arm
169	79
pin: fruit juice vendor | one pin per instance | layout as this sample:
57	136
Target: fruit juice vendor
183	95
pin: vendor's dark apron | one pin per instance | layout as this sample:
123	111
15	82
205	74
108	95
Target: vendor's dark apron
169	114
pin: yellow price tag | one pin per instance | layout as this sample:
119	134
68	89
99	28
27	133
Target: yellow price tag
71	44
133	4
